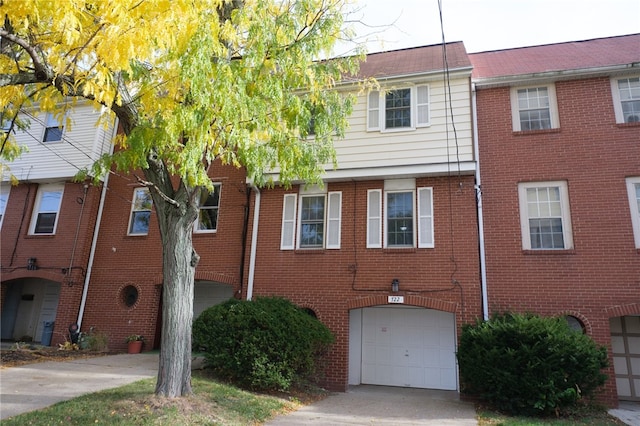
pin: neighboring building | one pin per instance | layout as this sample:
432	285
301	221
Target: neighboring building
47	223
125	288
385	252
559	137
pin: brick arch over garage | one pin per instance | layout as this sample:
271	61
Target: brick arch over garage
412	300
623	310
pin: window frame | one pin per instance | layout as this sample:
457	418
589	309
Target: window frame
42	190
422	215
50	122
292	223
4	200
617	100
553	107
196	225
565	214
138	210
634	207
420	102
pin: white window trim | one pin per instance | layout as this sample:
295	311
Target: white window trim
291	219
633	205
62	123
4	193
567	232
36	207
381	109
374	218
413	212
617	102
377	218
133	209
553	107
209	231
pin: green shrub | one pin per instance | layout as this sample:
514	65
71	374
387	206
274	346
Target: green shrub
526	364
266	344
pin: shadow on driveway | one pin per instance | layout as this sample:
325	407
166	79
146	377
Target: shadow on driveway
383	405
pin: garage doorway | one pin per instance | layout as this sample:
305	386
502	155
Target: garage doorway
625	344
402	346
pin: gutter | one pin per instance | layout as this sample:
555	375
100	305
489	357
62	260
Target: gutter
254	242
483	265
96	231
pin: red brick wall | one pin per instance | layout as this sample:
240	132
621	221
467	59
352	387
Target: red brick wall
123	260
53	252
594	156
331	282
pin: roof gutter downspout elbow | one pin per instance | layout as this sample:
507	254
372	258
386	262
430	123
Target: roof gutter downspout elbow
254	241
483	266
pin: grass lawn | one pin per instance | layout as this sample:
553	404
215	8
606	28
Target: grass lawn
585	416
212	403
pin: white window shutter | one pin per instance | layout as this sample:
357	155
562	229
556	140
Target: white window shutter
374	218
373	110
288	222
425	218
334	218
422	105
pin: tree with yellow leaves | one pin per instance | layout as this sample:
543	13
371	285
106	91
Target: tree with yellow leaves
190	82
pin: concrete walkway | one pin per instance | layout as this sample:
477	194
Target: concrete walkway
383	405
34	386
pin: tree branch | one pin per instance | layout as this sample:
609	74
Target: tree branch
43	73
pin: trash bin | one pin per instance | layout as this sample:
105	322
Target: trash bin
47	332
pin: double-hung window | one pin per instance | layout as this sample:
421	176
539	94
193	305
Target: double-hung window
52	129
398	109
311	220
534	108
4	198
401	216
544	216
626	95
209	209
633	189
46	209
140	212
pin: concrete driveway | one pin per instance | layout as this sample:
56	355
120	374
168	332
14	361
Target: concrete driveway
382	405
34	386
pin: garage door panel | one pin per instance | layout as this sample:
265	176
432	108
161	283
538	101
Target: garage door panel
408	347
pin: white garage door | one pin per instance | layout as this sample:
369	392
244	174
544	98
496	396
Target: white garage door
625	343
405	346
207	294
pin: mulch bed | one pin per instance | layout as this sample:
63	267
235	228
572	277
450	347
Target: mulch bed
29	354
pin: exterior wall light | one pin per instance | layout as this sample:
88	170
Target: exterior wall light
395	284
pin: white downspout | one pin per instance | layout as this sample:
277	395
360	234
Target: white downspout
254	242
483	266
94	240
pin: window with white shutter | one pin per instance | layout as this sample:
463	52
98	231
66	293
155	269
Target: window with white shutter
334	218
288	222
425	218
374	218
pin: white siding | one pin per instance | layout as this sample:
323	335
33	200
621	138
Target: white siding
424	145
82	143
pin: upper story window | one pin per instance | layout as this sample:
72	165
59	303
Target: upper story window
633	189
52	129
140	212
317	222
46	209
208	216
534	108
626	96
398	109
4	198
544	216
406	209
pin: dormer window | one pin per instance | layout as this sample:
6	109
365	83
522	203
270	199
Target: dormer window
398	109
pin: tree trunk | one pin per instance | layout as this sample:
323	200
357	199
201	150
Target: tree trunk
174	373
